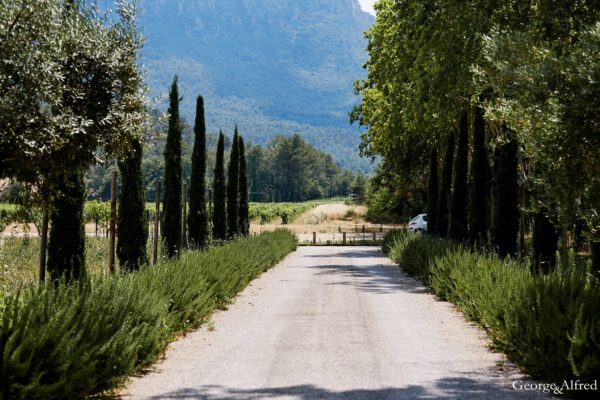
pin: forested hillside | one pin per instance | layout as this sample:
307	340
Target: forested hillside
270	66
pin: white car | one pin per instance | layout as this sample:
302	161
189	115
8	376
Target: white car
418	223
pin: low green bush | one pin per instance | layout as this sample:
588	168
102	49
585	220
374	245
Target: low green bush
548	324
73	341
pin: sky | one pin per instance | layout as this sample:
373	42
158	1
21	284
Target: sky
367	5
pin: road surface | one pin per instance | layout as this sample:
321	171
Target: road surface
332	323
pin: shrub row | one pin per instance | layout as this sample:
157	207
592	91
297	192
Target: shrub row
548	324
72	341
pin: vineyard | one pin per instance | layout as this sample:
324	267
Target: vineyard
288	212
99	212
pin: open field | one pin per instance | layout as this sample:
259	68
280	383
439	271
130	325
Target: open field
329	222
19	243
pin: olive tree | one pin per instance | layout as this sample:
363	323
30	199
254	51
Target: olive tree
69	86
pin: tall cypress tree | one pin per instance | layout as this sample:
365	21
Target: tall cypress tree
505	224
131	219
595	247
457	220
544	243
219	216
171	229
432	192
479	193
66	246
197	218
244	222
233	182
445	188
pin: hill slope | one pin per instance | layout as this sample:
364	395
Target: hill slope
271	66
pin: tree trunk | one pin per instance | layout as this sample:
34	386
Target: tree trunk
66	246
43	240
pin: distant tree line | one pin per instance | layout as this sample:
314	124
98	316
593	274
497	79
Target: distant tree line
290	169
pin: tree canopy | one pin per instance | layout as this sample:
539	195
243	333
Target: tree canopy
531	66
69	84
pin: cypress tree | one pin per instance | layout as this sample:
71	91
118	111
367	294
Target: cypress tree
457	220
479	194
544	243
219	216
595	247
244	222
432	192
197	218
233	201
66	246
445	188
131	219
505	226
171	229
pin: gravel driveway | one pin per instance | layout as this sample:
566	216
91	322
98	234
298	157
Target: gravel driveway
332	323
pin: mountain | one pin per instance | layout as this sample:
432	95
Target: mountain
269	66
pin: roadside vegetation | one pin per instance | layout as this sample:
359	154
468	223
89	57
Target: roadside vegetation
493	131
548	324
69	341
485	118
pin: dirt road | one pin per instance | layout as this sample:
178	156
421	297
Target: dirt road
332	323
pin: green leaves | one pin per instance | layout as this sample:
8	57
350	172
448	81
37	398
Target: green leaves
69	84
63	341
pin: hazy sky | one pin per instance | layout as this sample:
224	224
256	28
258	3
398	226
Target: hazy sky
367	5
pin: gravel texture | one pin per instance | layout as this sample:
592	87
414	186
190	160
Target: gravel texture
333	323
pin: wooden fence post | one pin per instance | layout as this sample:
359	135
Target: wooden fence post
113	217
314	238
344	238
156	225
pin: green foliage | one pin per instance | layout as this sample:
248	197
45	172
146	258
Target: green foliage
197	222
233	187
531	70
7	213
393	238
19	259
70	84
71	341
392	197
66	243
548	324
290	169
171	225
219	217
359	188
244	211
131	217
267	212
96	211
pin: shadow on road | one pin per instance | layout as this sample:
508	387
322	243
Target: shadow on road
373	251
372	278
448	388
365	275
